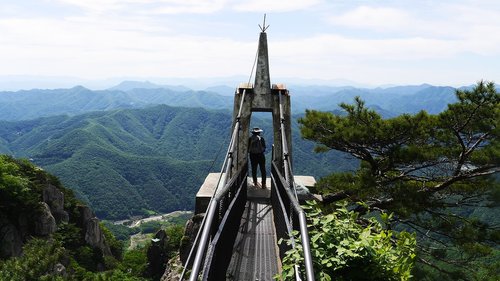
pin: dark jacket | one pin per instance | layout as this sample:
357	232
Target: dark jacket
256	144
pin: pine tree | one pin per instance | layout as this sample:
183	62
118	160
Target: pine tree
437	174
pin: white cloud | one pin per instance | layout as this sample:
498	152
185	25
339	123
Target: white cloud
149	6
274	5
133	38
469	27
190	6
323	52
477	26
381	19
98	6
187	7
375	61
54	47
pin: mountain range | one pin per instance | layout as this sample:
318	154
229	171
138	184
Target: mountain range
131	161
140	147
30	104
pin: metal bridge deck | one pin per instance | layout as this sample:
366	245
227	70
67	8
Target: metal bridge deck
255	250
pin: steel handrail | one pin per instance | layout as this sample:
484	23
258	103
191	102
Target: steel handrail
290	184
228	161
210	215
304	235
211	251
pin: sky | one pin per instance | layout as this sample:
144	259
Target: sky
393	42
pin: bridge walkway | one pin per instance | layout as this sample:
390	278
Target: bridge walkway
255	251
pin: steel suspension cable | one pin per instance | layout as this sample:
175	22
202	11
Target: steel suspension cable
285	153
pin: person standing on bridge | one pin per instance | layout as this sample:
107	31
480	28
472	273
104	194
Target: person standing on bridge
256	149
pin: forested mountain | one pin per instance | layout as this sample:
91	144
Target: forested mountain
394	100
124	162
127	162
30	104
125	155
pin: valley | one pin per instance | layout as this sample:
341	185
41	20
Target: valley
123	162
139	164
139	149
139	240
131	223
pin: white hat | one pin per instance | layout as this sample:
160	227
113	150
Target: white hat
256	130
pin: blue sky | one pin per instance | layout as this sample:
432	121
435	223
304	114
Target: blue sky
369	42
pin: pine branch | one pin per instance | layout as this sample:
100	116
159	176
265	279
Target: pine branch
482	171
440	269
426	234
337	196
463	154
433	266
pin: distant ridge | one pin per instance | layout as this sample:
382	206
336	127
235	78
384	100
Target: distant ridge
222	90
131	85
35	103
393	100
31	104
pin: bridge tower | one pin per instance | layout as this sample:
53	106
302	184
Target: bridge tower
243	217
262	97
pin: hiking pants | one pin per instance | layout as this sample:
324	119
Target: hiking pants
258	159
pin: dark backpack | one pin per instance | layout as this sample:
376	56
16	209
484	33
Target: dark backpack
256	145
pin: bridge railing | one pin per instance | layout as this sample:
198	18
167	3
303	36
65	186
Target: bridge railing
222	218
231	205
288	215
220	229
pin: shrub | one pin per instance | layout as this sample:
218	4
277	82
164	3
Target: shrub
344	249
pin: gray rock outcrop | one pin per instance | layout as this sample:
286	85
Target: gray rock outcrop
192	227
45	223
39	212
173	270
60	270
55	199
93	232
157	255
174	266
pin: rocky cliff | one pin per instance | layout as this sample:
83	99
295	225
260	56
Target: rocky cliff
172	268
43	222
33	204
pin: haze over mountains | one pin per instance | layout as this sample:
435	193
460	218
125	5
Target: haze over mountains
29	104
24	82
140	147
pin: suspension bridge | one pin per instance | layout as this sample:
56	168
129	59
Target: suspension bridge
238	237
